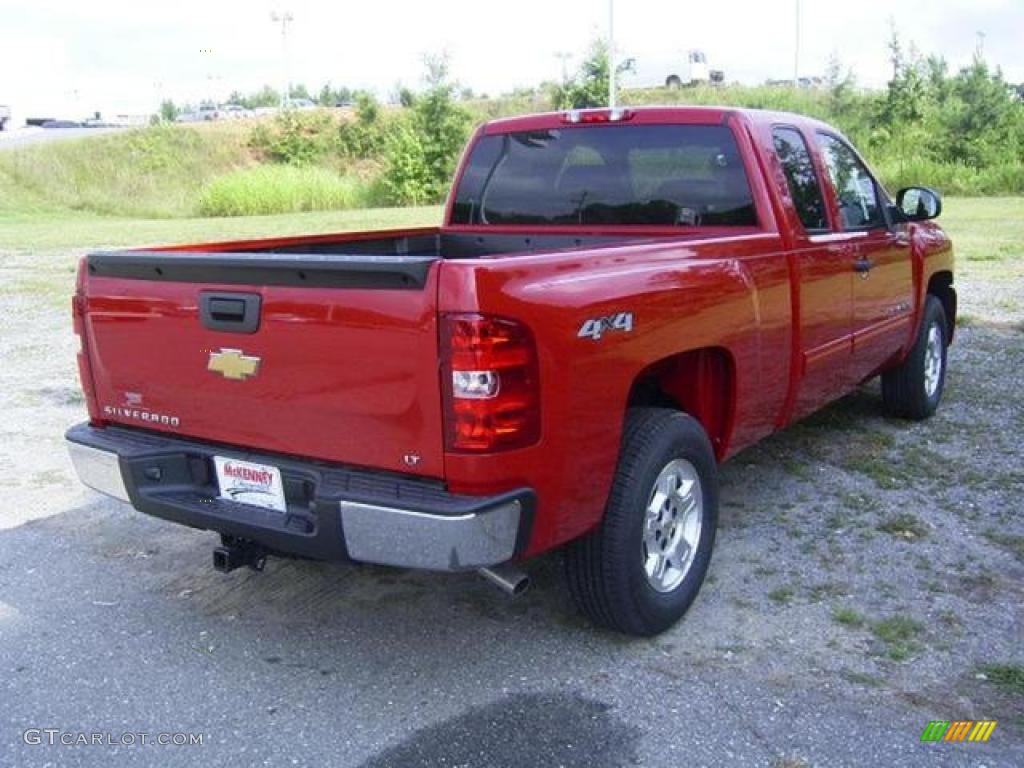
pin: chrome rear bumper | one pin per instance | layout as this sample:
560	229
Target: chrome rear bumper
333	513
391	536
98	469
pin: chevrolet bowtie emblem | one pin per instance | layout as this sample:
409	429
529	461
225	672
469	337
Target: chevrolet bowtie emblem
232	364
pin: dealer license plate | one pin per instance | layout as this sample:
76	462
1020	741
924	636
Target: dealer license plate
248	483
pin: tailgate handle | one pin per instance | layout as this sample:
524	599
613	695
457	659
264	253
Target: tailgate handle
228	309
231	312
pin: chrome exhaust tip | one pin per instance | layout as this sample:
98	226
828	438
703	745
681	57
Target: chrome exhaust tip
507	578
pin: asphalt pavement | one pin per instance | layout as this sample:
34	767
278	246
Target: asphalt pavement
114	623
23	137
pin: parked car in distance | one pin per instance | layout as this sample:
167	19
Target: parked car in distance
233	112
301	104
617	302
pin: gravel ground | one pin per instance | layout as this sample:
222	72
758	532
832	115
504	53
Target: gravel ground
867	575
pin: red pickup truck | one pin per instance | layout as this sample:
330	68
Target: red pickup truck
618	300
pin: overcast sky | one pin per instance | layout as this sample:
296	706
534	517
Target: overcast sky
69	58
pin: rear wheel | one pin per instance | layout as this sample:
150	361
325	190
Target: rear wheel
673	81
914	389
641	569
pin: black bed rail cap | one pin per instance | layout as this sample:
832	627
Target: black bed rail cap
295	269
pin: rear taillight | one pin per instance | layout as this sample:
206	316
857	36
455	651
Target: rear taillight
490	383
78	323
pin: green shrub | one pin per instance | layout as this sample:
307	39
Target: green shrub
367	135
406	179
424	147
295	137
282	189
950	178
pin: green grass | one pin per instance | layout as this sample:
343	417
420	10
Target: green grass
1011	542
848	617
114	190
64	230
781	595
272	189
1008	677
861	678
904	526
899	634
154	172
988	233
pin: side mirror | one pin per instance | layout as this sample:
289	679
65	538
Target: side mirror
919	203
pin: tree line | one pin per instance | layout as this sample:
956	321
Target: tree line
962	131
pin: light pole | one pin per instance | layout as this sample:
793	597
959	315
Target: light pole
611	55
284	19
564	57
796	49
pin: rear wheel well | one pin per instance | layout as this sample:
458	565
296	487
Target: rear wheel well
940	285
699	382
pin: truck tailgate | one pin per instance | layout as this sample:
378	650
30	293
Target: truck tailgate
342	364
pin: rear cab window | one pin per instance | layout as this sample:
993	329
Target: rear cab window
617	175
801	178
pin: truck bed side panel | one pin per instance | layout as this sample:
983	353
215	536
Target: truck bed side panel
722	293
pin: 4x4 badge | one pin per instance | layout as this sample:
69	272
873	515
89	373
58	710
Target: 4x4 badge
596	327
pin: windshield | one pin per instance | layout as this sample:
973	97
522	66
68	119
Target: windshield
651	175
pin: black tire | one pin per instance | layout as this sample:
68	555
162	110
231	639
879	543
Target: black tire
674	82
606	568
908	391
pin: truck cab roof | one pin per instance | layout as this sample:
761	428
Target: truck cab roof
696	115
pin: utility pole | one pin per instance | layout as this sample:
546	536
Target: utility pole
796	48
981	43
611	55
284	19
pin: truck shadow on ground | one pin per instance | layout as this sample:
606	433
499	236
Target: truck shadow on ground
525	730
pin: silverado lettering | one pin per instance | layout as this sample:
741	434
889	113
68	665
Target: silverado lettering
432	403
137	415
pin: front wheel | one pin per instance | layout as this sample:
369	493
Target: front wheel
640	570
913	389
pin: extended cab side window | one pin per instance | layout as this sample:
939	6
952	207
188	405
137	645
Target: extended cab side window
856	191
801	178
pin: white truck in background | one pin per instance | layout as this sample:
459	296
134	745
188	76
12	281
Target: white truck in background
670	72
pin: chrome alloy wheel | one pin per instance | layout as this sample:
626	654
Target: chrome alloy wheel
672	525
933	361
